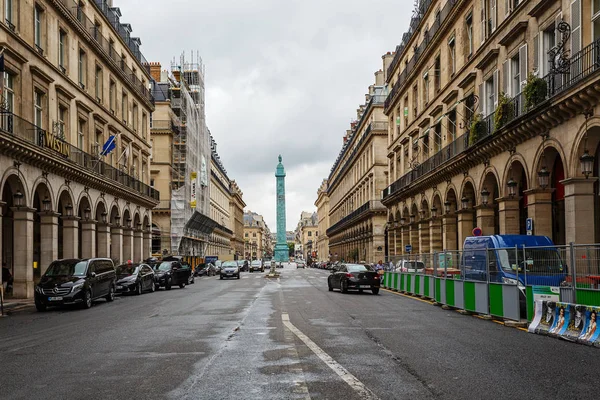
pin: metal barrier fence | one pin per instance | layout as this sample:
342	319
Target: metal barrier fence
503	282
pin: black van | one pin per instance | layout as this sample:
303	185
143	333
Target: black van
76	281
169	273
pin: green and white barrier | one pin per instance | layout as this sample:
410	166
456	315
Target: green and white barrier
476	297
504	301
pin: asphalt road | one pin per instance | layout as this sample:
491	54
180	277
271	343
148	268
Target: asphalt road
290	338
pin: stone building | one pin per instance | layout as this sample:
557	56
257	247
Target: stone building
356	215
493	119
74	78
322	204
257	237
236	212
307	234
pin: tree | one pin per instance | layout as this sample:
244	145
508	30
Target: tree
291	248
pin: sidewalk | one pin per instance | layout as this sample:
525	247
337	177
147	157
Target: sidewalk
15	305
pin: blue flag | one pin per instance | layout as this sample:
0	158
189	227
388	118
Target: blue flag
109	146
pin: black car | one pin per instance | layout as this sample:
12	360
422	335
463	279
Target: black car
169	273
207	270
76	281
191	280
135	278
354	276
243	264
230	269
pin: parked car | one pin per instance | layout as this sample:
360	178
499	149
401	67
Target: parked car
300	264
169	273
208	270
257	265
354	276
410	266
191	280
135	278
243	264
230	269
76	281
267	264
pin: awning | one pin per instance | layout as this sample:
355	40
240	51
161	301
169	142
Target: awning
200	223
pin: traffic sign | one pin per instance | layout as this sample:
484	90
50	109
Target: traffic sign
477	232
529	226
408	248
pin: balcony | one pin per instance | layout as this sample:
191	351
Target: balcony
419	51
163	205
127	73
13	126
582	65
369	206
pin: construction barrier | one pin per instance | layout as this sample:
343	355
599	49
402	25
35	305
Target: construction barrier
572	322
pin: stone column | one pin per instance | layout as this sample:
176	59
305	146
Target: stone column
127	244
435	235
539	208
48	239
465	226
424	237
70	237
405	238
88	239
579	210
450	239
103	240
23	256
508	210
398	243
148	245
485	219
116	244
138	245
414	238
2	204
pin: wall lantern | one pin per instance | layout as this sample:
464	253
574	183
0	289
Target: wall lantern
69	210
86	213
18	199
464	202
434	212
46	204
512	187
485	196
447	205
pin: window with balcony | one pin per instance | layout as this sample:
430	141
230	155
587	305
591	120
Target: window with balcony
415	101
437	72
112	96
98	83
82	69
451	126
9	16
144	125
452	55
62	51
470	106
437	138
97	30
99	142
81	124
425	145
405	112
548	41
144	170
489	93
38	20
515	82
9	91
469	30
63	120
425	89
134	117
124	108
111	48
38	109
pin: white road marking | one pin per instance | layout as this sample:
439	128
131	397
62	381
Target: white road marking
359	387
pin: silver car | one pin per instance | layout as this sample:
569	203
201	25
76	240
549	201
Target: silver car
257	265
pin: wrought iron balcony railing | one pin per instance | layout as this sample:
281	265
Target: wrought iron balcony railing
368	206
17	127
581	65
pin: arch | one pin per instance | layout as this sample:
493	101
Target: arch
515	164
398	216
468	187
425	211
126	216
137	220
593	140
115	214
414	211
84	203
390	217
146	222
42	183
100	207
490	174
550	149
437	202
452	198
15	179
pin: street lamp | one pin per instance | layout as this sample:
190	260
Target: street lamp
485	196
69	210
434	212
148	228
46	203
117	219
586	160
464	202
104	215
447	205
86	213
18	199
128	222
512	187
412	218
543	177
422	213
402	220
139	226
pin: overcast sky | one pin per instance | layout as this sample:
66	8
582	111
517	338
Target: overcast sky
282	77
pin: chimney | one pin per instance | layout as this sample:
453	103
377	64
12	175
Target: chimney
371	90
155	71
367	98
387	60
379	78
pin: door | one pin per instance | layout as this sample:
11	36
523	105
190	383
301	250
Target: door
339	276
93	280
176	272
148	277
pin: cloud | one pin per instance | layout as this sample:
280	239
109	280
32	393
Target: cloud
282	77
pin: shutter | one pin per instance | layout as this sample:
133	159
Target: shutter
493	15
482	21
482	101
575	27
536	55
506	77
495	84
523	65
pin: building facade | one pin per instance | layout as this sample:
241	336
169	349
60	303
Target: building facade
73	78
356	215
322	204
493	120
258	241
236	211
307	235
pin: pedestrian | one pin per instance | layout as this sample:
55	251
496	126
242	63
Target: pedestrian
379	270
7	277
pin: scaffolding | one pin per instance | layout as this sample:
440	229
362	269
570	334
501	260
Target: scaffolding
190	197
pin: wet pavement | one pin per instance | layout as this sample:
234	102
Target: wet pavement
287	338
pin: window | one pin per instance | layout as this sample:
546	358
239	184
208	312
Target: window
144	171
491	17
437	138
549	41
8	14
309	233
37	28
97	30
425	89
246	234
38	113
437	69
123	62
469	29
489	92
9	91
152	185
63	118
82	69
112	96
469	105
111	48
81	134
452	55
254	235
151	121
415	101
405	112
134	118
515	82
99	142
124	108
98	83
62	50
451	125
425	141
596	19
144	125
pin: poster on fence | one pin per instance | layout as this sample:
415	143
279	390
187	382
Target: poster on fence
562	315
543	318
589	333
575	323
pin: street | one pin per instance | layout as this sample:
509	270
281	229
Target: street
289	338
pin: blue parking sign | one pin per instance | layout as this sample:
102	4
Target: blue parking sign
408	248
529	226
